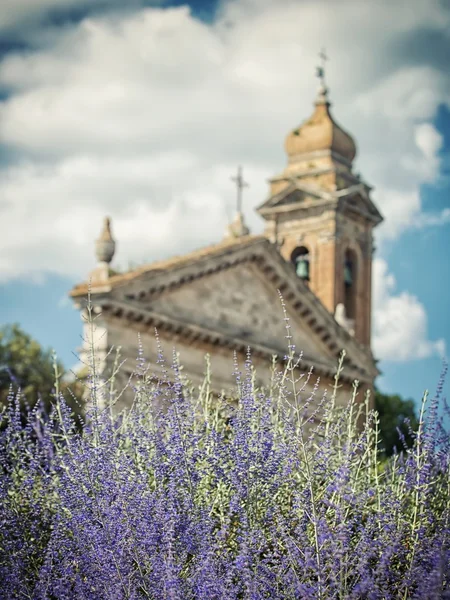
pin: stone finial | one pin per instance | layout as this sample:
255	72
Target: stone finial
322	95
341	318
105	244
237	228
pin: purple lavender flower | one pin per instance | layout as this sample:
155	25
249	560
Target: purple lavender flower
251	499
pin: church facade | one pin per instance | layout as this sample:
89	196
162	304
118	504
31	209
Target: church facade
316	252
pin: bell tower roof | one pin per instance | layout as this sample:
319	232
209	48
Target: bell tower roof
318	133
320	152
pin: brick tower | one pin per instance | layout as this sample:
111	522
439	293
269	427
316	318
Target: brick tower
320	215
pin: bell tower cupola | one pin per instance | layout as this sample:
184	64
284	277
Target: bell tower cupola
320	215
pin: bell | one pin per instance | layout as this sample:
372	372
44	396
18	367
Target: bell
302	268
348	279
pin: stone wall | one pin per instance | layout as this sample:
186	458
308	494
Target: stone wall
192	358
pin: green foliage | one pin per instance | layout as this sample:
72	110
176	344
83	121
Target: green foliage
26	365
392	411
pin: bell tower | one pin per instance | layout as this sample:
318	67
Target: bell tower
320	214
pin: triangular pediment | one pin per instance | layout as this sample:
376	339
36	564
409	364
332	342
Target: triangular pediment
294	193
355	197
294	197
229	293
239	303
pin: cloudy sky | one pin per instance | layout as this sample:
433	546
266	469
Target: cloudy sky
144	113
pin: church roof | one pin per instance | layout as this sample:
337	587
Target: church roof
125	295
171	263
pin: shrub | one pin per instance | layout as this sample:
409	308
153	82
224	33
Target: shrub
209	499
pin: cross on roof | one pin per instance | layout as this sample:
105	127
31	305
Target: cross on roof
320	70
240	185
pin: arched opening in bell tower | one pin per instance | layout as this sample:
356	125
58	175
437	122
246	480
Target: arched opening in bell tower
350	274
300	258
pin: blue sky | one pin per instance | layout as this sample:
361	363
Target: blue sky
144	114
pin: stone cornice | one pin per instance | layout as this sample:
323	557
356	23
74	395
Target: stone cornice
321	203
305	156
192	334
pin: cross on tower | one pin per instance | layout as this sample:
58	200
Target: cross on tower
320	70
240	185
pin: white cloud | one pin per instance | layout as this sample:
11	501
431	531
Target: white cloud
428	139
399	321
426	166
405	95
173	218
400	214
145	116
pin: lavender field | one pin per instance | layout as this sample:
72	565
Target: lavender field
277	495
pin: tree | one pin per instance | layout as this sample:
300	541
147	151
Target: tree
26	365
392	411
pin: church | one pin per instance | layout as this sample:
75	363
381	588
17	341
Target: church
316	252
